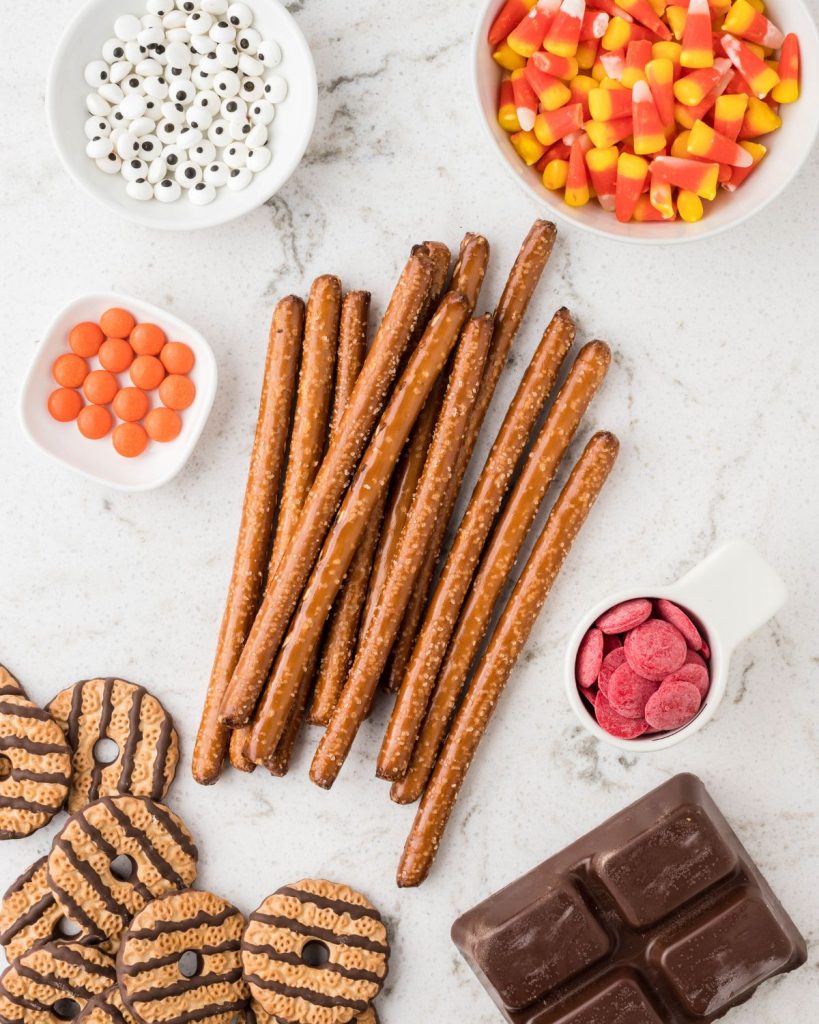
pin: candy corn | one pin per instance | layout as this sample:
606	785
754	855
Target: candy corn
525	100
644	211
689	206
745	21
739	174
550	91
507	112
668	51
528	148
587	50
563	34
649	135
697	46
613	64
611	8
608	104
660	78
527	36
577	180
609	133
691	175
602	165
551	125
558	67
581	88
787	91
632	172
644	13
692	88
638	54
507	58
620	33
594	25
705	142
759	120
661	197
753	69
512	12
555	174
677	17
729	113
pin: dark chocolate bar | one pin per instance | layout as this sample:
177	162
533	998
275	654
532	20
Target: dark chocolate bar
658	916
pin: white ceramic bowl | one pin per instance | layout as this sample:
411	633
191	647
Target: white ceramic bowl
730	594
290	130
98	460
788	148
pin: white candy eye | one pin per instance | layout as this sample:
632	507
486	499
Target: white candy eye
227	56
117	118
182	91
269	53
151	37
202	194
96	127
97	73
262	112
140	190
127	27
96	105
201	44
142	126
167	131
150	20
179	55
133	106
178	75
217	174
204	153
134	52
234	107
210	65
250	65
157	170
253	89
258	159
173	156
189	137
160	7
275	89
188	6
167	191
119	70
240	177
222	32
174	19
132	84
111	93
113	51
149	147
178	35
197	117
236	155
239	15
257	136
156	87
110	164
201	79
238	128
199	23
173	112
188	174
127	146
133	169
148	68
207	100
218	132
215	7
226	84
99	148
248	41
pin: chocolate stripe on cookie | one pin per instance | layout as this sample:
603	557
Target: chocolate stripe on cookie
134	738
52	972
208	1012
94	882
152	964
353	910
296	960
181	838
9	686
308	994
163	745
23	710
31	746
321	934
105	713
166	927
200	984
148	849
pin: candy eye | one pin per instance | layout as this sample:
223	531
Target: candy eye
96	73
252	88
248	41
134	169
183	92
270	53
113	50
132	84
97	127
275	88
239	15
262	112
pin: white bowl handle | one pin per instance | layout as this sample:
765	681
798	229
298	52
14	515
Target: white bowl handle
734	590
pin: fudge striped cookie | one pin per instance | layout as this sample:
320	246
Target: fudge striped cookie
35	763
51	983
180	960
369	1016
107	1008
147	749
114	857
29	913
315	953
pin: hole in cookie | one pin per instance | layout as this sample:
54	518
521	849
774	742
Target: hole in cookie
66	1009
105	751
315	954
122	867
5	768
66	928
190	964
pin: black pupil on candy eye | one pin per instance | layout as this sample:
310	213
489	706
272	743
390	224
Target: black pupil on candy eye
234	172
172	159
147	146
135	163
200	186
190	172
119	52
166	183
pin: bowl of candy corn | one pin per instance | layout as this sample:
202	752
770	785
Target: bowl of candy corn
645	121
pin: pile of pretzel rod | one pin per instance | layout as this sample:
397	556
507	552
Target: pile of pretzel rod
357	463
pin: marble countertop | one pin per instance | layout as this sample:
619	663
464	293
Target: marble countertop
712	393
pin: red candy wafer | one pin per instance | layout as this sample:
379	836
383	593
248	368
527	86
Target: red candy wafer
624	616
612	661
589	658
610	643
676	616
655	649
692	673
695	658
616	725
672	706
628	693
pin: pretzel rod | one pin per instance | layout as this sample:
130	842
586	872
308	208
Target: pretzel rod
368	562
359	690
369	485
517	293
462	561
258	511
352	347
366	402
470	270
492	673
514	523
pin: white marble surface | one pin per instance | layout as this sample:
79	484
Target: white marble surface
712	394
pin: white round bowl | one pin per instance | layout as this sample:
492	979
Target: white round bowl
788	148
98	460
290	130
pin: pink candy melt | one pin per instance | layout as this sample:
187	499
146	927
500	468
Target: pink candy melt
628	693
676	616
673	705
625	616
697	675
655	649
611	662
617	725
589	658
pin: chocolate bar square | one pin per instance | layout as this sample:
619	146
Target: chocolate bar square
658	916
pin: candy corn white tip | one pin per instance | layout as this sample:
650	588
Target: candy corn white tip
699	7
574	8
640	91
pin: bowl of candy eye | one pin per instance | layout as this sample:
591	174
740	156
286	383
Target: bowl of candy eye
646	126
182	114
